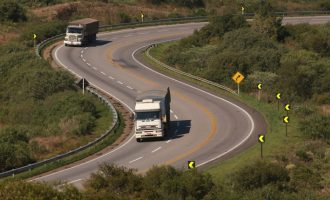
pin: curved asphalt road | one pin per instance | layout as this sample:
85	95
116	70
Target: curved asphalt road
204	127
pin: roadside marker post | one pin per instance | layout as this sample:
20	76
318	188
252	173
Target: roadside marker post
278	97
261	139
83	85
259	86
237	78
142	16
34	40
286	121
191	164
287	109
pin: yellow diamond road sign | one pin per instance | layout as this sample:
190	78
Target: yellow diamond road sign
238	77
191	164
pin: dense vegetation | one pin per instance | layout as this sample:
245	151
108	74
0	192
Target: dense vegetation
42	112
260	180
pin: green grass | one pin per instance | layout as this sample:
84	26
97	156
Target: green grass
111	138
276	141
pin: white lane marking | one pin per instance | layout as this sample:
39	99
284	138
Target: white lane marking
129	87
103	73
84	59
81	55
82	51
85	47
168	141
135	160
176	117
92	160
75	181
212	95
120	82
111	77
88	64
171	111
156	149
94	68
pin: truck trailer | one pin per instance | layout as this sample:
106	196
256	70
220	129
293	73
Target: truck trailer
80	32
152	114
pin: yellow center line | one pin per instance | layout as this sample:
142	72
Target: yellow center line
184	98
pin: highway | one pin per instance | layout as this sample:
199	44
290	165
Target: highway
204	128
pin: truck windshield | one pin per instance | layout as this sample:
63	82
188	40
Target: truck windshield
74	30
147	115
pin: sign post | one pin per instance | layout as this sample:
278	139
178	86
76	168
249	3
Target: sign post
259	90
278	97
287	108
286	121
83	85
142	16
238	78
34	40
261	139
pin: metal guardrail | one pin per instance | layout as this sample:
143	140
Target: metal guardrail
187	74
79	149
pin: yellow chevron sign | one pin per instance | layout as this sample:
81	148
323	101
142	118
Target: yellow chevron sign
287	107
261	138
259	86
278	96
191	164
286	119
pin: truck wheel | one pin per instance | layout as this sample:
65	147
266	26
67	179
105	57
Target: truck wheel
138	139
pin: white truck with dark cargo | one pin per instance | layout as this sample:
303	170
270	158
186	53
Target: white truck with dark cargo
80	32
152	114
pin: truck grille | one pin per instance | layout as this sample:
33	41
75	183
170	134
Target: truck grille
72	38
148	127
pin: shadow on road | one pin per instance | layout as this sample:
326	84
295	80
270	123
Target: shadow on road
98	43
177	130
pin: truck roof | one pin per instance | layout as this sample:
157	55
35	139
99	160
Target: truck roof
147	106
152	94
83	21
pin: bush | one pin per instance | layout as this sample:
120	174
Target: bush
11	11
259	174
316	127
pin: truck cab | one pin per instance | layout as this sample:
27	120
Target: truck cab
74	35
152	114
148	121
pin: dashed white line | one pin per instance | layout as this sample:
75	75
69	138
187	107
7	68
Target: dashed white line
120	82
84	59
135	160
156	149
176	117
85	47
129	87
82	51
81	55
103	73
168	141
111	77
88	64
94	68
171	111
74	181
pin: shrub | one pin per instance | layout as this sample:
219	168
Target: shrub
11	11
259	174
316	127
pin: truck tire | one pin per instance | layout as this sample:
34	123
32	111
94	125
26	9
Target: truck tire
138	139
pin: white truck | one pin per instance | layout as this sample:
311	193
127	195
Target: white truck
80	32
152	114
